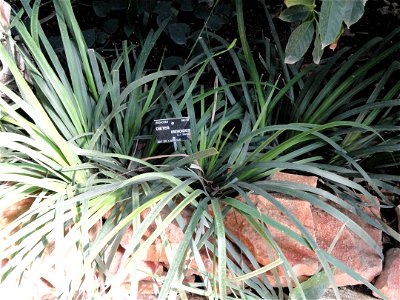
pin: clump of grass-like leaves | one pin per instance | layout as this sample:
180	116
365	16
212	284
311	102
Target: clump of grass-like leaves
80	145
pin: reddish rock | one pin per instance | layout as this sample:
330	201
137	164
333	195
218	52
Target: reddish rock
116	262
148	287
11	212
173	233
94	231
307	180
350	248
389	281
208	262
196	297
154	253
146	290
145	270
301	258
147	297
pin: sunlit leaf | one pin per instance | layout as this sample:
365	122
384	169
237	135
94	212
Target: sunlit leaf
313	288
101	8
309	3
354	10
318	50
299	42
179	32
111	25
295	13
330	20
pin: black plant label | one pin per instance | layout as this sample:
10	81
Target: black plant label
172	130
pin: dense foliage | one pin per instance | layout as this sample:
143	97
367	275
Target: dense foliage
77	137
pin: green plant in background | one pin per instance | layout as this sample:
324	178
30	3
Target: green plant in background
79	143
321	21
141	15
324	26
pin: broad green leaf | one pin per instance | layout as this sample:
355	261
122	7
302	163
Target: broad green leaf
330	21
111	25
354	9
318	50
313	288
90	38
179	32
309	3
187	5
216	22
101	8
299	41
119	4
295	13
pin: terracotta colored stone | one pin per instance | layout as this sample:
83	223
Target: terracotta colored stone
147	287
308	180
196	297
189	278
144	271
147	297
389	281
10	213
173	233
350	248
94	231
155	252
301	258
116	262
208	262
146	290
